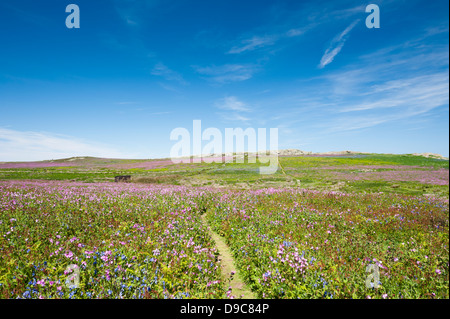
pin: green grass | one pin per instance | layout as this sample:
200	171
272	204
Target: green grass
60	173
375	159
301	171
411	160
397	187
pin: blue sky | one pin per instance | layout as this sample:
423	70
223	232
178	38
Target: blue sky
136	70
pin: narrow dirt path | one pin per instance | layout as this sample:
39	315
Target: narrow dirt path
239	288
282	169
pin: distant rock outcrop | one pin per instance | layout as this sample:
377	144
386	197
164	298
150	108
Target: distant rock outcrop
286	152
291	152
431	155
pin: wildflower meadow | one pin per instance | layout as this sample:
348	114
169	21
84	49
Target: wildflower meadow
62	239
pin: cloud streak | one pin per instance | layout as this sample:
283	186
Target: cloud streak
407	94
228	72
234	108
290	28
160	69
34	146
336	45
253	43
231	103
418	94
395	87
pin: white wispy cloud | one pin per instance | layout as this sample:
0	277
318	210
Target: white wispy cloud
233	117
130	20
311	18
32	146
234	109
228	72
419	94
169	88
231	103
160	69
259	42
296	32
395	85
336	45
387	90
253	43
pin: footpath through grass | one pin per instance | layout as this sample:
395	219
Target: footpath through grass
230	272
